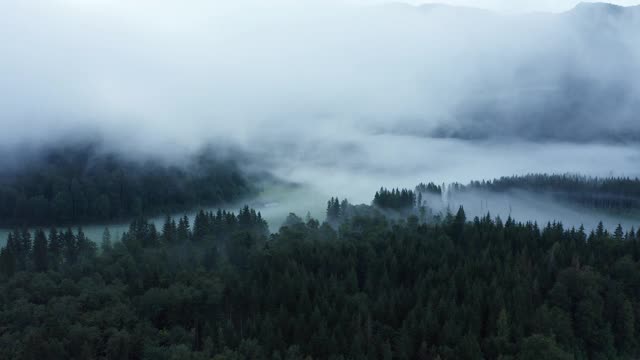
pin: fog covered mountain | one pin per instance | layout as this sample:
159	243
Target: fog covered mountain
219	73
580	84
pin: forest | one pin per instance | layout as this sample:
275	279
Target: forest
80	184
611	194
204	137
360	286
397	199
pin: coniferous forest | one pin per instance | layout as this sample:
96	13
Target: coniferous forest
80	184
164	167
363	286
611	194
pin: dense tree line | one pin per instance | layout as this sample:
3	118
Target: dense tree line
81	184
396	199
429	188
366	288
338	211
620	194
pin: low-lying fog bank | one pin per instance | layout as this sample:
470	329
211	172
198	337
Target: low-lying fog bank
358	167
336	97
354	168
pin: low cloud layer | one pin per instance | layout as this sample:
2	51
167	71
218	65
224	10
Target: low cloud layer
344	98
520	6
158	74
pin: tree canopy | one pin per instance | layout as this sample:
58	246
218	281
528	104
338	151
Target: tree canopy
367	287
79	184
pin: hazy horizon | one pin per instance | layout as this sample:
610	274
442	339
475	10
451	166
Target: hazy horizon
513	6
344	97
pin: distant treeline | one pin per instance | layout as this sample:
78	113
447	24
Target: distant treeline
618	194
429	188
60	249
219	287
397	199
80	184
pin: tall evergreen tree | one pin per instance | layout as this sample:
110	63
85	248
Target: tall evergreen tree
169	235
7	261
70	247
40	255
106	241
183	231
55	248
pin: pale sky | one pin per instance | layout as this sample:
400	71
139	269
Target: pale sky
514	5
509	6
185	71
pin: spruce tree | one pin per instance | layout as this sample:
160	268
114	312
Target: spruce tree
106	240
70	247
40	255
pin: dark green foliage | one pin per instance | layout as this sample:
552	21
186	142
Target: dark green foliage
333	211
429	188
614	194
538	347
40	256
378	288
395	199
82	184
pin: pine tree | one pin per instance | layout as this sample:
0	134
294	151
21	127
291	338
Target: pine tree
14	245
106	241
457	225
183	233
26	241
55	248
40	255
7	261
600	230
169	230
24	237
70	247
625	327
200	226
619	233
85	247
333	210
635	244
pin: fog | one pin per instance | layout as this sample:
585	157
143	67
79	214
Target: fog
340	96
162	74
537	208
512	6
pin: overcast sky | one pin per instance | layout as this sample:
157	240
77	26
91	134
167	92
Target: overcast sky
321	87
236	69
517	5
497	5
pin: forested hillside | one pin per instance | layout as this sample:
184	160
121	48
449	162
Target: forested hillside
368	288
79	184
613	194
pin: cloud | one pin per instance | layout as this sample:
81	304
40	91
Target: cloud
166	75
518	6
343	96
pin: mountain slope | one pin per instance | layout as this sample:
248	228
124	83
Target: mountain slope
572	76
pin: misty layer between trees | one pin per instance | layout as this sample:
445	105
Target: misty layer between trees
86	185
367	283
612	194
